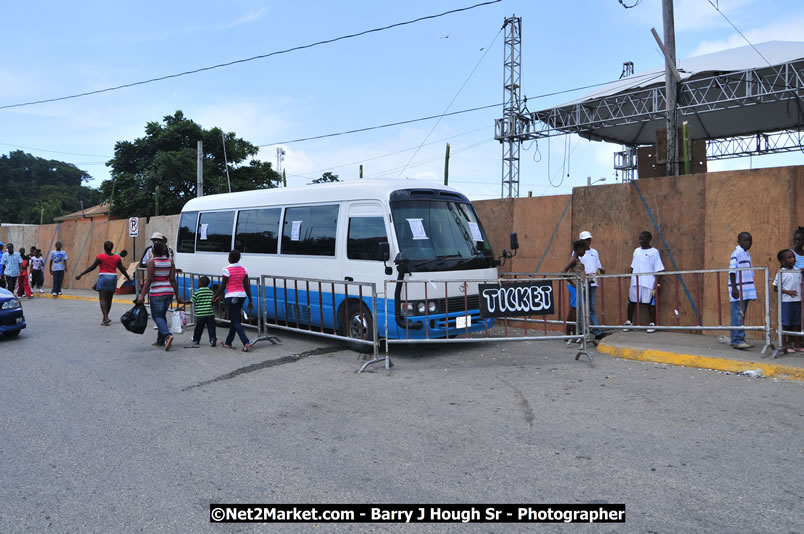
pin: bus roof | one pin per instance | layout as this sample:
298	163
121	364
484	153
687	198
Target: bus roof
328	192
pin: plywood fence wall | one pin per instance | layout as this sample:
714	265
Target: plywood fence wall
699	217
83	240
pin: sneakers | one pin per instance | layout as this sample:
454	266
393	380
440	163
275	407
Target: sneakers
627	323
196	342
213	342
168	342
741	346
651	330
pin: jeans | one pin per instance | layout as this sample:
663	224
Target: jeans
159	308
235	307
737	336
593	310
209	322
58	280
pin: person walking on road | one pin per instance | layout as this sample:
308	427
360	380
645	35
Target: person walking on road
591	261
235	287
741	288
203	311
644	286
161	286
107	279
37	270
11	267
23	286
57	266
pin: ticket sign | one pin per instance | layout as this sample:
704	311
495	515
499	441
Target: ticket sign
133	227
516	299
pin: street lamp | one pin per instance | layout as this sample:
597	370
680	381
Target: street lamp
590	182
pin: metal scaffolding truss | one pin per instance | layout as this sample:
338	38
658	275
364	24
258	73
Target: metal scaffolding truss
752	145
717	106
511	107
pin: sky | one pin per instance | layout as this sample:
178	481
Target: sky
428	68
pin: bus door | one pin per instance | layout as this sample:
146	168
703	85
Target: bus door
367	226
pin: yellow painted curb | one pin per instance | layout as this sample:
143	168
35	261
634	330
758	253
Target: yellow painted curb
79	297
772	370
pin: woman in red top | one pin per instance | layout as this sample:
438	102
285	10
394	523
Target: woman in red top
23	285
107	279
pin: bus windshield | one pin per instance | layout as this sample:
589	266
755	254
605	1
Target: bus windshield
437	235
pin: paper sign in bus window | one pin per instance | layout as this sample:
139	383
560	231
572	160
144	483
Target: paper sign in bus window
475	229
203	236
295	231
417	229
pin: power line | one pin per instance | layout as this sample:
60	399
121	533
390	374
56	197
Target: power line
452	101
56	151
399	123
741	33
388	125
314	174
261	56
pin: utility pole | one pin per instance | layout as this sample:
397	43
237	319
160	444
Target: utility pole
199	164
670	85
446	166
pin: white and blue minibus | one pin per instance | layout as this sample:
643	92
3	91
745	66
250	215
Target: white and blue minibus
362	231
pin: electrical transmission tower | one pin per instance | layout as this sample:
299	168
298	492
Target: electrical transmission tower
510	135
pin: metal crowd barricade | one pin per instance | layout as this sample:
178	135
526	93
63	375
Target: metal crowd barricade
780	331
323	308
461	311
693	294
188	283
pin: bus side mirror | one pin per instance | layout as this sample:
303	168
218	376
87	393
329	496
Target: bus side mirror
385	254
514	241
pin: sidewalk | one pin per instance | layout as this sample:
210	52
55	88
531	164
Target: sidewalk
82	294
703	351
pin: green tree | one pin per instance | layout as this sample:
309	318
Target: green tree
326	177
166	158
33	186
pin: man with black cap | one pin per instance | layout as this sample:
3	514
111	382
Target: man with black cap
591	262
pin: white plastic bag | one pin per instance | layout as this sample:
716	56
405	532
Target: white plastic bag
175	323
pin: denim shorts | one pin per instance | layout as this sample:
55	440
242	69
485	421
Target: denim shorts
791	314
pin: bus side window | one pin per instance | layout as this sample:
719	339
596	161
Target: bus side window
187	225
257	231
365	236
215	231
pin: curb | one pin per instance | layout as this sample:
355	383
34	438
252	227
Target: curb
78	297
771	370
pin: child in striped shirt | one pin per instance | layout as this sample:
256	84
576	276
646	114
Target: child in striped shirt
204	314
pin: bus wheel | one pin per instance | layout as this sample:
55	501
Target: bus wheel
358	324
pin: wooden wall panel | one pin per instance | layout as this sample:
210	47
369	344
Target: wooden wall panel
497	216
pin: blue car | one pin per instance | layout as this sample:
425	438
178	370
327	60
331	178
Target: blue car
12	320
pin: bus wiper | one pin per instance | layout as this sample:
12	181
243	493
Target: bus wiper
438	258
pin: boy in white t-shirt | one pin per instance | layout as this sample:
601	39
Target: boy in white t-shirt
646	260
789	278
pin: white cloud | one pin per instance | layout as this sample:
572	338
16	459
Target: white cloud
788	30
248	18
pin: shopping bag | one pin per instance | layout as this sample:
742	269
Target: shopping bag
175	323
136	319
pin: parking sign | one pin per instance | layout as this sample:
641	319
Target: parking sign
133	227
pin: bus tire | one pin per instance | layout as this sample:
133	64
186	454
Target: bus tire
351	326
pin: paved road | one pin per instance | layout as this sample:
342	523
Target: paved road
103	433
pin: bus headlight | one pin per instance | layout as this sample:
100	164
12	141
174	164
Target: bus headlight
420	308
432	306
406	309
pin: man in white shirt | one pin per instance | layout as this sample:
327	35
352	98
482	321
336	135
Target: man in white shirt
646	260
592	266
